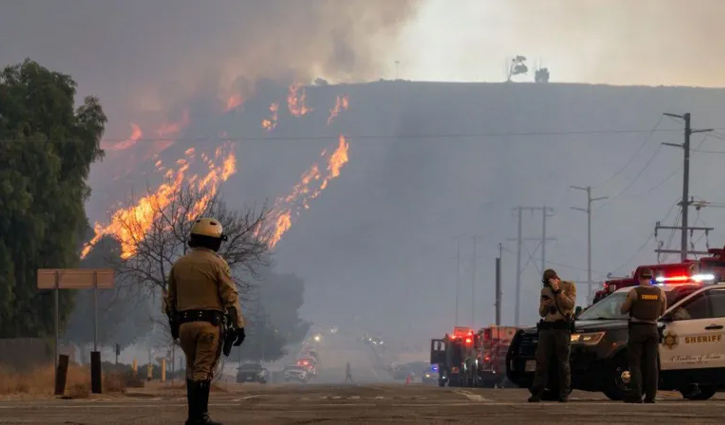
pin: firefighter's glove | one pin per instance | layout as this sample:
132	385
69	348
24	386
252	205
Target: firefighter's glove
239	332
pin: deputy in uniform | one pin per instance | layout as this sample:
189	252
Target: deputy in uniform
200	292
645	304
555	307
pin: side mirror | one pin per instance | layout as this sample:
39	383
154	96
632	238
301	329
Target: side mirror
577	311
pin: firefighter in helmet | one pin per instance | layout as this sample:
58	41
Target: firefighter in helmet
200	292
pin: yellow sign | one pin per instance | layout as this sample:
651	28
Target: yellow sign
671	340
700	339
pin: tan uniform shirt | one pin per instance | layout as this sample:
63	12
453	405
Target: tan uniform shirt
202	280
632	298
565	300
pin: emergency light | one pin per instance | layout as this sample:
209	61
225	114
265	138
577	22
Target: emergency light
697	278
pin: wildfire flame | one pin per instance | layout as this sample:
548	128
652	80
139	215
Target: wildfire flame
233	103
136	134
296	104
287	208
271	123
143	212
341	104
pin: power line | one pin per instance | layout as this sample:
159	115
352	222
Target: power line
641	171
374	137
634	156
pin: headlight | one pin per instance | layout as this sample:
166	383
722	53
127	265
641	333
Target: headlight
591	338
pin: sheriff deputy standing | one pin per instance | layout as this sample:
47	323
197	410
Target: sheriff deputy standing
200	292
645	304
555	307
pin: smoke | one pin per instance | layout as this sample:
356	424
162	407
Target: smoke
147	57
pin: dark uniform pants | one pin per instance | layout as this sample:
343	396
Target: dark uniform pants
642	349
202	347
554	346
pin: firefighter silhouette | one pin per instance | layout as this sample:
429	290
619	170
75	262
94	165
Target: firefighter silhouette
348	374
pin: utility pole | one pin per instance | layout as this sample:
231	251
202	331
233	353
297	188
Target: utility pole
498	285
473	285
520	241
458	274
685	179
545	212
661	251
588	210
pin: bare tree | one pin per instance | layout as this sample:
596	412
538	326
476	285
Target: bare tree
153	241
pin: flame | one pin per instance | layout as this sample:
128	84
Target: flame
296	104
341	104
271	123
168	130
143	213
287	208
136	134
233	103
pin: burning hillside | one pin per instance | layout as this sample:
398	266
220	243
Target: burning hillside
211	171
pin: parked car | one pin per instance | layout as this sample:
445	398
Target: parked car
252	372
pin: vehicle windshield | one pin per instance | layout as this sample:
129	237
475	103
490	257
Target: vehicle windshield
608	308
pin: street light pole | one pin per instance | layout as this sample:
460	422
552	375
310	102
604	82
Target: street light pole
588	210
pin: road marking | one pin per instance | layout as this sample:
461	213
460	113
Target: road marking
471	396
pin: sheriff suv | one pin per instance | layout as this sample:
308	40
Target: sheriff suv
691	354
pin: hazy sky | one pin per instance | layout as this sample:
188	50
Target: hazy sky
152	61
650	42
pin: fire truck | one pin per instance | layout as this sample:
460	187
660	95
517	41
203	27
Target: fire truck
693	271
472	359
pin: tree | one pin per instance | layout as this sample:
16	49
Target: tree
152	240
264	342
542	75
47	146
281	296
516	67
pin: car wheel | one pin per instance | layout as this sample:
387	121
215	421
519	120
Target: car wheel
697	392
616	386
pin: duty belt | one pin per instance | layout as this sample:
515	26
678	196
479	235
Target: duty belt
559	324
212	316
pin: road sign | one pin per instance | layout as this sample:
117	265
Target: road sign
58	279
75	278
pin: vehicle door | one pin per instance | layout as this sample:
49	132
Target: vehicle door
694	332
437	351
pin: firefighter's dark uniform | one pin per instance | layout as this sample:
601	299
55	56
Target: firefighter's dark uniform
645	304
200	291
554	336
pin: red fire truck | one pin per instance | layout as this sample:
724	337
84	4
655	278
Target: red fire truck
705	269
468	359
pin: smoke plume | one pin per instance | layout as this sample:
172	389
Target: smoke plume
142	56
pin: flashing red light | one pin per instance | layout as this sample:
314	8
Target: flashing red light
468	340
487	358
680	278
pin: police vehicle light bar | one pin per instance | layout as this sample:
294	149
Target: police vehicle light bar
698	278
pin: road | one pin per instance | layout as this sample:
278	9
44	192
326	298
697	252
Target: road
359	404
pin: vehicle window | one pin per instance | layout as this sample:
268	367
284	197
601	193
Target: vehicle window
606	309
717	302
693	309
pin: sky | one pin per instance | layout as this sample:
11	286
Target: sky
166	64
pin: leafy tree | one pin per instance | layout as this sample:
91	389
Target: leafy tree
281	296
517	67
47	146
542	75
264	341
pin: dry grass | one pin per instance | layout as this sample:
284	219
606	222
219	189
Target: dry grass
41	382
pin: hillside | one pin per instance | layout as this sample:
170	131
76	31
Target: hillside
431	161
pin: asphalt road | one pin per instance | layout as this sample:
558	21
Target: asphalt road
359	404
